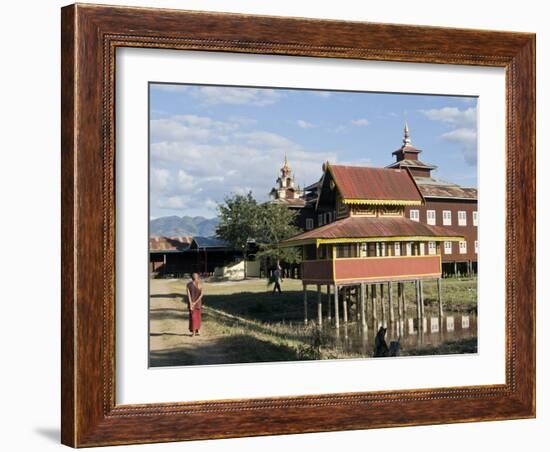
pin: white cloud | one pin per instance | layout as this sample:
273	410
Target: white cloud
360	122
172	202
236	96
304	124
462	136
452	115
159	178
204	172
467	139
464	128
185	180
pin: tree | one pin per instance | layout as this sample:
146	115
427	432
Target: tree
243	219
277	224
239	220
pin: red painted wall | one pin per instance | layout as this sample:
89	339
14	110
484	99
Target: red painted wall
388	268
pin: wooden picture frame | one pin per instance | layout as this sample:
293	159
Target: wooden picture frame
90	36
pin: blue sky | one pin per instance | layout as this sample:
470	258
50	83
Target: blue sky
210	141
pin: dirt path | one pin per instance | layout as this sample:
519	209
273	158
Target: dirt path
170	340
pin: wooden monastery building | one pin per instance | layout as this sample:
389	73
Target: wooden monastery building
369	241
444	204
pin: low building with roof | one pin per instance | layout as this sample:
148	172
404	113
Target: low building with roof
180	256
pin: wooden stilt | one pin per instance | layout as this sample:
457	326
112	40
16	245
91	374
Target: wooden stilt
382	304
305	304
319	306
418	313
336	314
373	300
345	304
421	295
362	305
390	302
439	298
329	314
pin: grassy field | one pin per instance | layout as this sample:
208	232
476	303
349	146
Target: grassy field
244	322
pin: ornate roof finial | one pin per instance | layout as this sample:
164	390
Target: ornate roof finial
406	135
286	161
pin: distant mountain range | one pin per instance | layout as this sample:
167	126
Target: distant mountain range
174	226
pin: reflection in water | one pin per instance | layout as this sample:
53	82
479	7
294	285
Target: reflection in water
433	331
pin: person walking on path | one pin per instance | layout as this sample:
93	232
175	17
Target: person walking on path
277	279
194	303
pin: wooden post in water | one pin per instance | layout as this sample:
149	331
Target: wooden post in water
319	306
329	314
305	304
418	312
362	306
390	302
421	293
382	305
373	300
439	298
336	313
345	304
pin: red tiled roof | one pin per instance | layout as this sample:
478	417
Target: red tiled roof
169	244
359	182
357	227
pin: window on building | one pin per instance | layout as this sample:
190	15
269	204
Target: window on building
476	246
461	218
344	250
430	217
474	217
328	217
448	247
462	247
414	215
382	249
364	250
309	223
447	218
432	249
320	219
408	249
422	249
397	249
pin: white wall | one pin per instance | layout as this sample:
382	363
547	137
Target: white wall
29	183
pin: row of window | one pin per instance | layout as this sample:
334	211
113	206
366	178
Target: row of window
462	217
462	247
381	249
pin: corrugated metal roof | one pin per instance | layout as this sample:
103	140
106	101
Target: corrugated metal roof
208	242
411	163
169	244
376	227
360	182
407	148
440	189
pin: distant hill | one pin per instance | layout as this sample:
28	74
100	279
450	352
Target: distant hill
177	226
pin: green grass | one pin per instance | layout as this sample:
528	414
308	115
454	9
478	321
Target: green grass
252	325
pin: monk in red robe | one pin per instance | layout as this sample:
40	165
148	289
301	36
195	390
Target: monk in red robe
194	303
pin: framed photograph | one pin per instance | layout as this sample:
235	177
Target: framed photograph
282	225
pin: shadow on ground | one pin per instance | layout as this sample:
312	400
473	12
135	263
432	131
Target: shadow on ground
224	350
